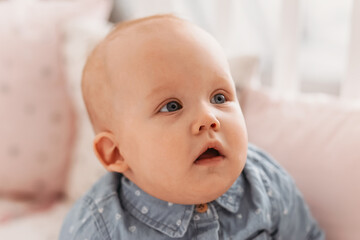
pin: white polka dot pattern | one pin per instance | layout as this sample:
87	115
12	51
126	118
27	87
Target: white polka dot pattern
132	228
144	210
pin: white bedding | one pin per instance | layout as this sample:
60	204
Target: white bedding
43	225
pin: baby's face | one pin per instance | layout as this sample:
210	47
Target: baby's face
178	123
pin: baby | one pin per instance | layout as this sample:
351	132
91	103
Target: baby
170	131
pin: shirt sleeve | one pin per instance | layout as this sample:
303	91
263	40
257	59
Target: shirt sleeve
295	219
292	217
83	223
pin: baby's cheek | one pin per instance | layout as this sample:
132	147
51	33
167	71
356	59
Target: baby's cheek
236	133
240	122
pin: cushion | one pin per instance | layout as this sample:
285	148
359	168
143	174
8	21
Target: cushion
37	119
316	138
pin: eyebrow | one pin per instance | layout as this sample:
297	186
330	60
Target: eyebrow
157	90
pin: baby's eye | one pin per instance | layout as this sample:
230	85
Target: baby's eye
218	99
171	107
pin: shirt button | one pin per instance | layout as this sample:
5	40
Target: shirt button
201	208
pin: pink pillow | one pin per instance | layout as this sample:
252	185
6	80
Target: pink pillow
37	120
316	138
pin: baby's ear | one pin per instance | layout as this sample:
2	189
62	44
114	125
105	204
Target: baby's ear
107	151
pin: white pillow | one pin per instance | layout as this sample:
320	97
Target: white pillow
317	139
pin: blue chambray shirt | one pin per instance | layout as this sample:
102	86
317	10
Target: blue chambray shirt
263	203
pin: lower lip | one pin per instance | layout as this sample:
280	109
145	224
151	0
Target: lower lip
210	161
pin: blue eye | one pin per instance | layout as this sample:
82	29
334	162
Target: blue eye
218	99
171	107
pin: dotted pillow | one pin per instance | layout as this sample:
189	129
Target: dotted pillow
36	115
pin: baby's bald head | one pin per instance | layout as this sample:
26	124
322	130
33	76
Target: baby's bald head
98	82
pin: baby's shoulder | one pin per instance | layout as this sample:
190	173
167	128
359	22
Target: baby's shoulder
258	159
88	216
262	169
271	183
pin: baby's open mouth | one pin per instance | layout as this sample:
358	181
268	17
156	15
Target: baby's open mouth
209	153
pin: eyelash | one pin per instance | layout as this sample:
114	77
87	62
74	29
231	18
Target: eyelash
175	105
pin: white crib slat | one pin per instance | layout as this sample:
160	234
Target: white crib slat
350	87
285	75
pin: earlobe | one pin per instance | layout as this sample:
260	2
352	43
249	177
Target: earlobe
107	151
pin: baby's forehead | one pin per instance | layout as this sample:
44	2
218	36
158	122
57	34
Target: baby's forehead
153	39
138	46
158	43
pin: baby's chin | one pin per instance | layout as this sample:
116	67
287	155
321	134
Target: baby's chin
197	196
199	199
207	199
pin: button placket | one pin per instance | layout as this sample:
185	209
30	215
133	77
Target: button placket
206	222
205	212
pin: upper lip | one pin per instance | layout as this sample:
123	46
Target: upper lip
211	144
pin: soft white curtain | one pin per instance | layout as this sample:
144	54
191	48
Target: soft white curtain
286	71
230	21
285	75
272	31
350	87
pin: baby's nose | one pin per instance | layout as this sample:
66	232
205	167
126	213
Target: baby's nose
205	121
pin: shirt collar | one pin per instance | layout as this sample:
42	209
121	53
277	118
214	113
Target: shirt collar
231	199
170	218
